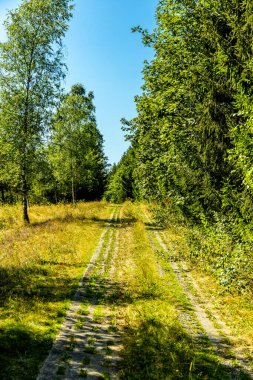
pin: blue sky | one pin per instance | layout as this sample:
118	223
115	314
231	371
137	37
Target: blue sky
103	55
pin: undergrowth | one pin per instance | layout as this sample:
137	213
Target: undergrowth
219	257
222	246
224	254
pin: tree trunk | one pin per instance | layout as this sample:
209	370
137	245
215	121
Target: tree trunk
25	198
25	209
2	193
73	190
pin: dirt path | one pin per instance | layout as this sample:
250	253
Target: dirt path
87	345
199	324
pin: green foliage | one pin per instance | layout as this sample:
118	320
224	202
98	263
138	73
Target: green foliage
31	70
76	147
224	249
188	133
63	164
120	182
192	136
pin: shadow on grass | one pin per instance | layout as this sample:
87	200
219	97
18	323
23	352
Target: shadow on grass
157	351
108	292
154	351
34	282
102	291
31	289
21	350
73	219
153	227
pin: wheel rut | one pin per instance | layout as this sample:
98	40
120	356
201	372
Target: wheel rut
88	345
199	324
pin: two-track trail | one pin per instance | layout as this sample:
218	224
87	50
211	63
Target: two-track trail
87	345
138	314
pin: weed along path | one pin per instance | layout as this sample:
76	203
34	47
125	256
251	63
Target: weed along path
87	345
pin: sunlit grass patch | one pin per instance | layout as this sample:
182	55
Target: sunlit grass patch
156	345
79	324
98	314
40	269
235	310
84	309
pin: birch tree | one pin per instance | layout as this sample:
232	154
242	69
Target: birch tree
31	70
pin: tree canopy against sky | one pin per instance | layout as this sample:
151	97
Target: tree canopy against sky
192	137
102	53
76	147
31	70
192	132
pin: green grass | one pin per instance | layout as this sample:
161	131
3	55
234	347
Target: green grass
83	373
235	309
39	274
98	314
39	278
86	360
156	345
84	309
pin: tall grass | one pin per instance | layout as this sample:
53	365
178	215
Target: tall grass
156	345
40	267
222	272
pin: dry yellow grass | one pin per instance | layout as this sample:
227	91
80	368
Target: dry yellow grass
233	309
40	267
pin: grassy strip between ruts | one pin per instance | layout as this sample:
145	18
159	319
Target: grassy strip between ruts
156	345
40	269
